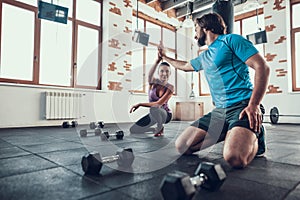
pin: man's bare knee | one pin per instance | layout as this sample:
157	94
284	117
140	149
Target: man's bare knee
190	140
181	146
235	160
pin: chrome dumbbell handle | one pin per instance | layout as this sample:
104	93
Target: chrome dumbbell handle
109	159
198	180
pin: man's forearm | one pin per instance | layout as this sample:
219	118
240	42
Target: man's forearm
178	64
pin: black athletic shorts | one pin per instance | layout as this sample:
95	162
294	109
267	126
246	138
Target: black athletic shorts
220	120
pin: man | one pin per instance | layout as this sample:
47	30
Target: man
237	118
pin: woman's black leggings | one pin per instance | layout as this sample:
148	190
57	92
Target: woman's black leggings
157	116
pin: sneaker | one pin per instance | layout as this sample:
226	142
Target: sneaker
160	133
262	147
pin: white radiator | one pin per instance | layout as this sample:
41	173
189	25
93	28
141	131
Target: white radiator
63	105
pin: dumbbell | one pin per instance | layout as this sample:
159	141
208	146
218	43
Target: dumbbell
94	125
179	185
67	124
92	162
84	132
119	135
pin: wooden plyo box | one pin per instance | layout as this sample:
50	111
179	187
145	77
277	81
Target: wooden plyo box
188	111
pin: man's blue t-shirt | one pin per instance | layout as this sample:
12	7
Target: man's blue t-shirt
225	69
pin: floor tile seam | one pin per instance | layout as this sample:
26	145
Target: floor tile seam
29	144
38	154
32	171
62	139
9	143
267	184
291	190
284	157
114	143
134	183
118	188
55	150
293	165
113	188
71	148
95	195
57	164
282	142
19	156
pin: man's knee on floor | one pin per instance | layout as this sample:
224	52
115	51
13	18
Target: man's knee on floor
235	160
182	147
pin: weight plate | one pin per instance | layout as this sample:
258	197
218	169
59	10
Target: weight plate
274	115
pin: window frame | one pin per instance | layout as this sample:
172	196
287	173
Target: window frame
36	44
294	31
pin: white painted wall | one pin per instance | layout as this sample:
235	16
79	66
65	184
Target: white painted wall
287	101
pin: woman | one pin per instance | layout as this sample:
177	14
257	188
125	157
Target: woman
160	91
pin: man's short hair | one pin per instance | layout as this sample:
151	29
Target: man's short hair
213	22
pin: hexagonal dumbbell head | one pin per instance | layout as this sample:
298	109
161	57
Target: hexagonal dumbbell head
91	164
213	174
177	186
126	157
92	125
74	124
100	124
119	135
83	133
66	124
98	131
104	136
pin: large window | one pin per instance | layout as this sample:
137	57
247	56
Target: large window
295	35
55	54
43	52
144	56
17	43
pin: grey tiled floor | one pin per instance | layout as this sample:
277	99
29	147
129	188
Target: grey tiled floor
44	163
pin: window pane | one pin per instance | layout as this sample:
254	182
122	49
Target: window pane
140	24
296	16
64	3
297	58
56	52
151	56
252	24
87	56
88	11
154	31
173	73
237	27
137	70
169	38
17	45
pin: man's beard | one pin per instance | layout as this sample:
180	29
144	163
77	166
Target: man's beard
201	40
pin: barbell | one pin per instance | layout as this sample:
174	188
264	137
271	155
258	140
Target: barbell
274	115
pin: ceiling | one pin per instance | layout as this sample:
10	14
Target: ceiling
180	8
